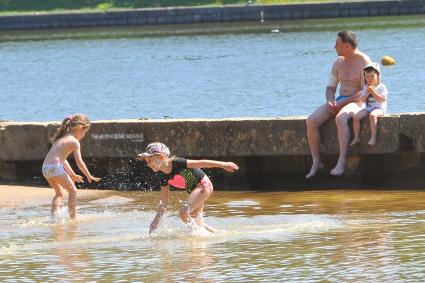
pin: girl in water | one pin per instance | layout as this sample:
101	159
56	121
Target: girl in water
56	168
183	174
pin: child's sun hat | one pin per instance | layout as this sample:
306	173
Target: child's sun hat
156	148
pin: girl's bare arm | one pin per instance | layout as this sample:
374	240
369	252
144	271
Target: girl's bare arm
162	207
204	163
81	164
71	173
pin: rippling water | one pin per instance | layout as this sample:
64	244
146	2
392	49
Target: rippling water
316	236
209	71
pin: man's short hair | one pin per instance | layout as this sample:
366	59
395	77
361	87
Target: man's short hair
348	37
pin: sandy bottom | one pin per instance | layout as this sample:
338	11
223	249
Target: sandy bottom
26	196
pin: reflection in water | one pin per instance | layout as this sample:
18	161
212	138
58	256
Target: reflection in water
317	236
186	261
71	258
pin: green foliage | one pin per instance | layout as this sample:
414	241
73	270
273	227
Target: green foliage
104	6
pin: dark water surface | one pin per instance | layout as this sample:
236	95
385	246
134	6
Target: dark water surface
316	236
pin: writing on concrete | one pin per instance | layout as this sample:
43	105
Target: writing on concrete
119	136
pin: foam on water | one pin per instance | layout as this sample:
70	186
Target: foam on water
13	248
112	200
242	203
111	231
269	227
87	217
245	225
272	226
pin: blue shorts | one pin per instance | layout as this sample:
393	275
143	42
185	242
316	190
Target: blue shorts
341	98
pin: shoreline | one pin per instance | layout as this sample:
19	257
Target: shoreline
22	196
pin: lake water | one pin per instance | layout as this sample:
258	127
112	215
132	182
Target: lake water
315	236
203	71
214	72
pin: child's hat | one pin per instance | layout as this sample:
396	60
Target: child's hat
156	148
374	66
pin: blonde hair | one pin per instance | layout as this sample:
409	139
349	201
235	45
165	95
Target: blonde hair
69	123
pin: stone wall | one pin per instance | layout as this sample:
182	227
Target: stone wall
190	15
272	153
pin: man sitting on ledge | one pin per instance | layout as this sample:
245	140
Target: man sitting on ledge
348	72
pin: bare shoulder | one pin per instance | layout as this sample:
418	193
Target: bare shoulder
339	60
363	57
71	141
338	63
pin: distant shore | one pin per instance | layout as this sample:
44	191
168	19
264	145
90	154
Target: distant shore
210	14
78	6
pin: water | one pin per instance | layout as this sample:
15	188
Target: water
316	236
209	71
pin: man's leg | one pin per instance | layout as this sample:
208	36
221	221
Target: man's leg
341	119
314	121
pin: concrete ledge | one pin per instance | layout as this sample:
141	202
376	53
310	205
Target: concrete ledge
209	137
272	153
178	15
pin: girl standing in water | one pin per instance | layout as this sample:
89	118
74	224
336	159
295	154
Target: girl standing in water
56	168
183	174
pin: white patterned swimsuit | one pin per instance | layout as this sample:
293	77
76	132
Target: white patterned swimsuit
53	170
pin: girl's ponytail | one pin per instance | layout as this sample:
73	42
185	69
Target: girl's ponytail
70	122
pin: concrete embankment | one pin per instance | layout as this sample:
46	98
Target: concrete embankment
191	15
272	153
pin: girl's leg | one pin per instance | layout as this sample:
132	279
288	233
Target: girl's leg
199	219
373	117
66	182
57	199
356	126
194	205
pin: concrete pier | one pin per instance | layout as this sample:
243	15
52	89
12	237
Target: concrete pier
194	15
272	153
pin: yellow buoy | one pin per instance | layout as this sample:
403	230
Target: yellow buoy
387	60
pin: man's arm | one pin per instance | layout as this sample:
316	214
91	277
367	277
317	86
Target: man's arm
330	93
332	83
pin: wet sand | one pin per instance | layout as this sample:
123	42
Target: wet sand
26	196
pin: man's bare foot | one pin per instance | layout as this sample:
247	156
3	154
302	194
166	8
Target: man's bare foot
355	141
314	169
372	141
339	168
